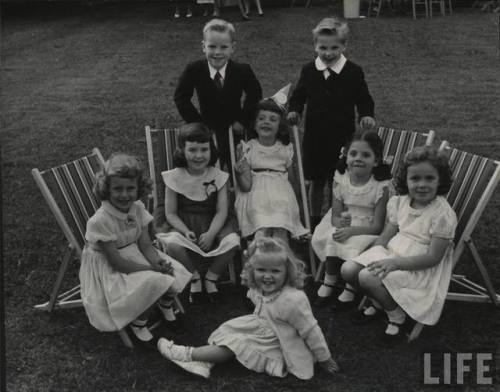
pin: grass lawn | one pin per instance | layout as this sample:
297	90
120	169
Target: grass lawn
75	77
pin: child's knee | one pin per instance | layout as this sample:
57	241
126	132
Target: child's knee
350	271
367	280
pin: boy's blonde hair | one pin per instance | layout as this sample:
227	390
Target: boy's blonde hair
268	249
220	26
332	26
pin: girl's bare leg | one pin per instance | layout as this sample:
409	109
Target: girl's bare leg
211	353
376	290
221	261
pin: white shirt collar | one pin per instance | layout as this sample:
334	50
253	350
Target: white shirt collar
213	71
337	67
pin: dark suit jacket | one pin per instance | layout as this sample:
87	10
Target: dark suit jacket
330	115
218	109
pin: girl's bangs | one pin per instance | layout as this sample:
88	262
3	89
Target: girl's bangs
279	255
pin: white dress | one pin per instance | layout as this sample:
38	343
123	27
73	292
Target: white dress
271	201
113	299
360	202
420	293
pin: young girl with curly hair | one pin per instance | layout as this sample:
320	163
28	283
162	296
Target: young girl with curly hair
122	275
408	269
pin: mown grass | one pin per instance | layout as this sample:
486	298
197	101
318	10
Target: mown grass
75	77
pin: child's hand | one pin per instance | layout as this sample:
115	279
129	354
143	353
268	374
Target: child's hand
293	118
341	234
167	267
190	235
206	240
381	268
329	366
242	166
238	128
162	266
367	123
345	219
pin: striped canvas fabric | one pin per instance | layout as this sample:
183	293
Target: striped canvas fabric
68	191
398	142
161	145
471	176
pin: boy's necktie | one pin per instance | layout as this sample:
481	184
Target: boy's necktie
328	72
218	81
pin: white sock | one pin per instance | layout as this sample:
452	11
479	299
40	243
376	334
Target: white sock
209	285
175	351
347	295
370	311
195	283
165	305
397	316
325	291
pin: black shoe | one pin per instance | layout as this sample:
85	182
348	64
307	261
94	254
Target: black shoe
213	298
393	340
245	17
341	305
360	318
196	298
321	302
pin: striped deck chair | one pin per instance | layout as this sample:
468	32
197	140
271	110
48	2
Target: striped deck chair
475	178
67	189
297	179
398	142
161	144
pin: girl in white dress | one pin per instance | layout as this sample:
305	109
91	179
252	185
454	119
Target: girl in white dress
408	269
122	275
281	336
266	204
361	189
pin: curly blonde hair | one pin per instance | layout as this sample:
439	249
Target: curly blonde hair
270	249
124	166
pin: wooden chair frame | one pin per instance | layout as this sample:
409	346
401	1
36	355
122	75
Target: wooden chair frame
161	159
302	184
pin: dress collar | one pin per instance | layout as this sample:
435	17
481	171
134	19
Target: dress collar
337	67
109	208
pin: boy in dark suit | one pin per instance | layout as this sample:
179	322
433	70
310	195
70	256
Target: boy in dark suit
220	84
332	87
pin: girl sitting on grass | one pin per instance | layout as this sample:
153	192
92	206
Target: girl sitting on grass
281	336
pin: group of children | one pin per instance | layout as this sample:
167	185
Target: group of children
391	242
213	7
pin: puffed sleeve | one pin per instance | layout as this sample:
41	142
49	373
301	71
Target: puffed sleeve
392	210
100	229
444	223
338	180
298	313
383	186
143	216
221	178
288	150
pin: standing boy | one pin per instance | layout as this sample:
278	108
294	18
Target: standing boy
332	87
220	85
